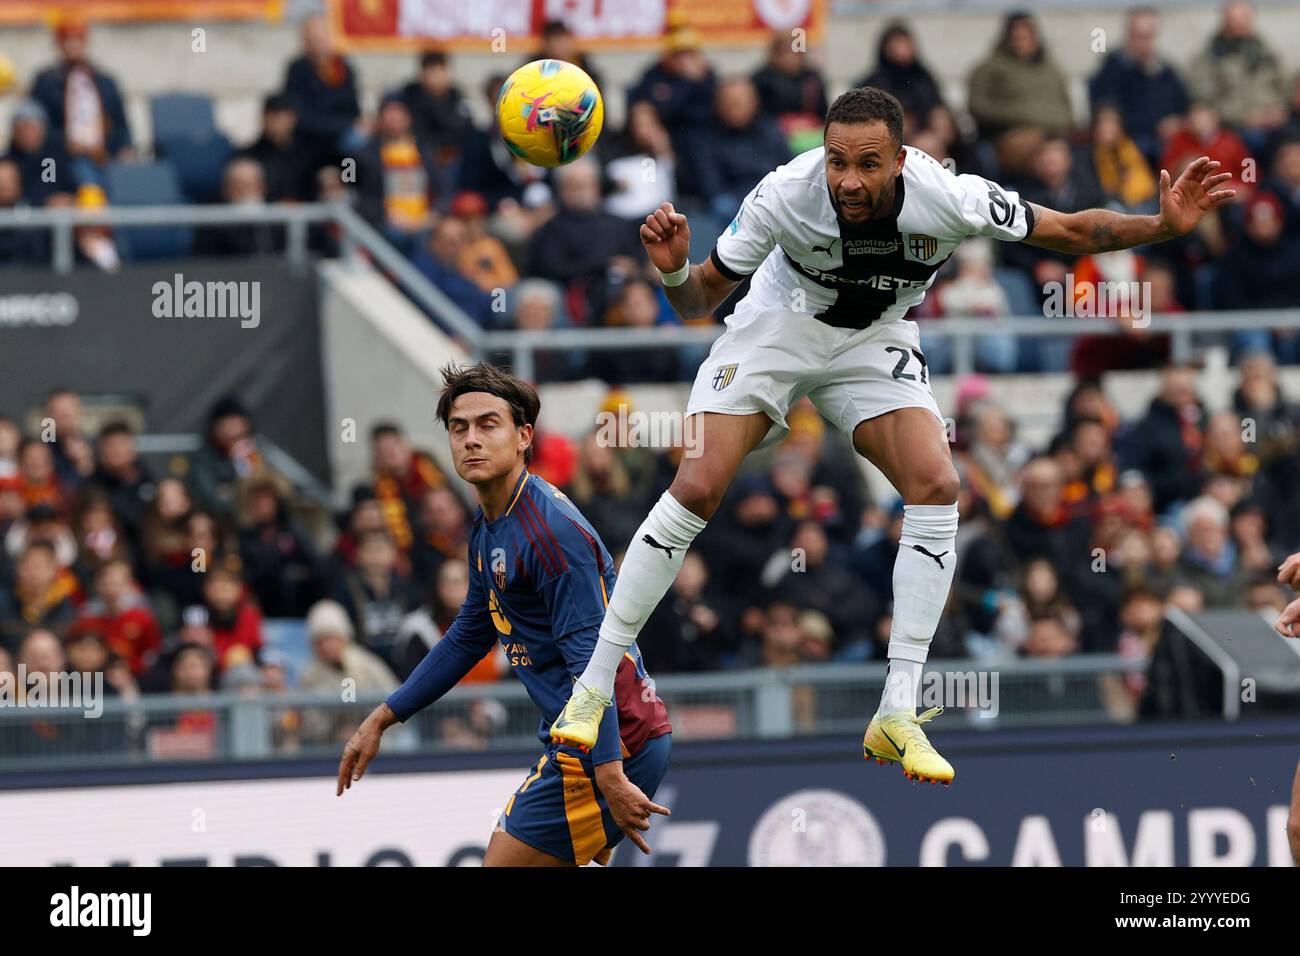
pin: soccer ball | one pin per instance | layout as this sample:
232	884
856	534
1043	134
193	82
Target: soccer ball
549	112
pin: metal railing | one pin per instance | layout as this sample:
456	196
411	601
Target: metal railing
361	241
764	703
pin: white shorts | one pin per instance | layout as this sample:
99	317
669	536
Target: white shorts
768	359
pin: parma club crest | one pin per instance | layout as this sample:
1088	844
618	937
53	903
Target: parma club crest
922	247
722	378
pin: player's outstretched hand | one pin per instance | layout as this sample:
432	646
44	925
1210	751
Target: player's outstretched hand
1184	203
628	805
1288	572
667	238
357	754
1288	625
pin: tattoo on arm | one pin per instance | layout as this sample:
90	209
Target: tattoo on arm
1103	238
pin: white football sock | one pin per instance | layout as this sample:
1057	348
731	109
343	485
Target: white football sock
922	579
648	571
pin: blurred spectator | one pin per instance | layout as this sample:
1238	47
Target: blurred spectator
1141	85
640	165
899	71
1122	170
286	163
438	109
321	88
679	86
582	247
193	671
280	563
243	183
229	453
441	532
792	92
739	541
121	613
401	478
812	576
40	522
1203	135
45	165
74	458
1260	272
236	623
1240	74
425	626
82	102
483	258
1019	84
1209	560
688	630
99	537
732	152
440	260
1112	284
163	532
122	476
38	482
336	658
537	306
1057	183
992	458
18	246
1166	443
601	489
559	43
41	595
635	306
973	293
1284	180
487	166
377	595
365	514
1049	637
394	174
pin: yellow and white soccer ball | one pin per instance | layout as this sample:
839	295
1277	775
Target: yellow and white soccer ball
550	112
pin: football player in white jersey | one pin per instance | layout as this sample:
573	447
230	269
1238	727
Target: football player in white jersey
840	243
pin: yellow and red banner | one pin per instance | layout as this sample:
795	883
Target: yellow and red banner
515	25
52	11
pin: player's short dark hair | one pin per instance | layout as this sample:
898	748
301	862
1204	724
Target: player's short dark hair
504	384
866	105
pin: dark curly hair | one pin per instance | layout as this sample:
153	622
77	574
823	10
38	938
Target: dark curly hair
865	105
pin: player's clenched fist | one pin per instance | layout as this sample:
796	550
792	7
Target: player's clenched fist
667	238
1288	572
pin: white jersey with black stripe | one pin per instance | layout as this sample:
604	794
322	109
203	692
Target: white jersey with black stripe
804	257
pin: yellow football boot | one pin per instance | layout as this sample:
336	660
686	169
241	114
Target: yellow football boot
899	737
579	723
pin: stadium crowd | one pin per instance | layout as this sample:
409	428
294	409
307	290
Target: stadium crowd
164	581
563	245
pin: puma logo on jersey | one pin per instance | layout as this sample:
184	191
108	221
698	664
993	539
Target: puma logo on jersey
826	248
937	557
655	544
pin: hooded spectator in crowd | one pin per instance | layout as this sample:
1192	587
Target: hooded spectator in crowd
336	657
1019	85
900	72
1260	272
